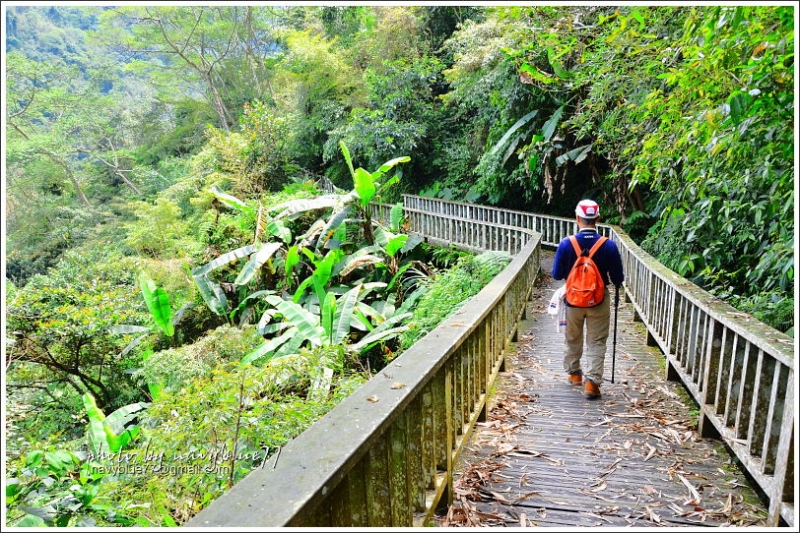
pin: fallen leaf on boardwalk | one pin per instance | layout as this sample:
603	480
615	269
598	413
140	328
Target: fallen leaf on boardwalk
373	399
593	495
523	520
601	518
602	486
524	497
534	453
606	421
653	515
650	453
398	386
648	489
692	490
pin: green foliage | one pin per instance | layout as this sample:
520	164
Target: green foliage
173	368
220	426
730	194
399	117
446	293
159	232
110	434
157	301
58	488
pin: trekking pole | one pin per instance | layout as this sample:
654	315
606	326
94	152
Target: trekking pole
614	344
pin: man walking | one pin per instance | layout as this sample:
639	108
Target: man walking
597	317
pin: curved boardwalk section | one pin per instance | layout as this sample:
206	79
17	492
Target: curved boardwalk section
548	457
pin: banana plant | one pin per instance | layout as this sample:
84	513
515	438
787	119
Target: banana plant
109	434
331	326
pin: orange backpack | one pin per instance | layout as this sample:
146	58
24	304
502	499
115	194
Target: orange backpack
585	286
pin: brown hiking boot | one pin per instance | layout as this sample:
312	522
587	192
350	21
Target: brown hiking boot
591	390
575	379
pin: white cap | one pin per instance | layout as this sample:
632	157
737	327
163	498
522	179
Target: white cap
587	209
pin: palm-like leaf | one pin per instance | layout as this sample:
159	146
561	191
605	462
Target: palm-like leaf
294	208
395	217
384	331
231	201
157	301
212	293
517	125
256	261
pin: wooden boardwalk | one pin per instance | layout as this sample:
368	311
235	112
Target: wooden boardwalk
548	457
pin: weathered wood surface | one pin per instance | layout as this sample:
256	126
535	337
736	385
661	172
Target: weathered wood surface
548	457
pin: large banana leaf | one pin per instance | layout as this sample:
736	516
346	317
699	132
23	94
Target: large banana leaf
279	229
412	242
344	315
576	154
347	158
383	332
292	259
310	236
396	217
100	435
517	125
333	223
307	324
117	420
357	262
549	127
395	244
224	259
294	208
269	347
231	201
256	261
157	301
327	312
364	185
212	293
108	434
384	168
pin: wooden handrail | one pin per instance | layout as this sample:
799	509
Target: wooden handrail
738	370
386	455
389	462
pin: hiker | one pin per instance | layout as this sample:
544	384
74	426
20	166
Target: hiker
595	315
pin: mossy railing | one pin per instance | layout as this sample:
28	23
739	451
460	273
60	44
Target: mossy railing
384	457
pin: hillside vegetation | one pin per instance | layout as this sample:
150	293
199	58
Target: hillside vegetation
194	274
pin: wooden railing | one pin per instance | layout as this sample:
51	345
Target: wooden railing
385	456
738	370
389	462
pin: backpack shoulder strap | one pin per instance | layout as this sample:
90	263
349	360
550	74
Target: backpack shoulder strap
575	246
597	245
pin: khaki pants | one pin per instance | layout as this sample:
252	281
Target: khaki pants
596	320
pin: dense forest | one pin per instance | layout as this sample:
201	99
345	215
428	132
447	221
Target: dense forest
193	274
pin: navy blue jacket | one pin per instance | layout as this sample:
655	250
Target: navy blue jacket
607	258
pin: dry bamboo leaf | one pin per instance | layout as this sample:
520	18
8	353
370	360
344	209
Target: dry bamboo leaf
650	453
524	497
602	486
398	386
523	520
692	490
653	515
